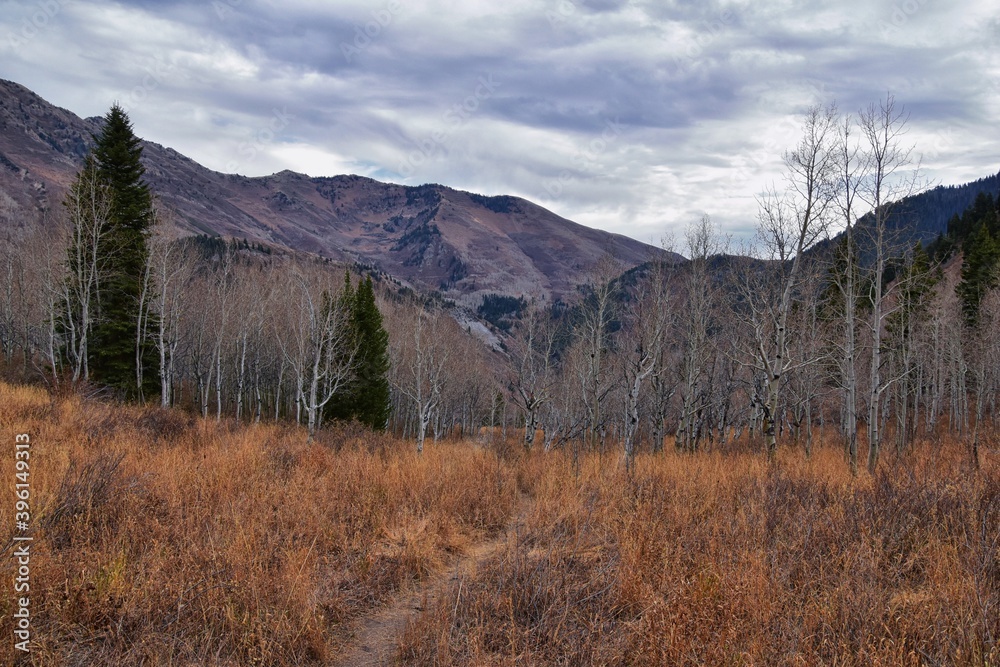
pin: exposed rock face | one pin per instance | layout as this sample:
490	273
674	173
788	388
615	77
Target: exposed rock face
431	237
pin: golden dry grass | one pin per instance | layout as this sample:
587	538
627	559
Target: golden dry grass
726	560
164	539
167	540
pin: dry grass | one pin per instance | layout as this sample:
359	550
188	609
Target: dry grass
724	560
163	539
166	540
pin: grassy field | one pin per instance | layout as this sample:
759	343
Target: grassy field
164	539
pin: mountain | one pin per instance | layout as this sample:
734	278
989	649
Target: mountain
926	215
921	217
431	237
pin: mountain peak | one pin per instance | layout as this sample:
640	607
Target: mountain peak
462	244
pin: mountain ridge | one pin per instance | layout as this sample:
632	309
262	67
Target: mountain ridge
431	236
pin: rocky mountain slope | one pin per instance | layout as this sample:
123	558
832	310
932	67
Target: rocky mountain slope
431	237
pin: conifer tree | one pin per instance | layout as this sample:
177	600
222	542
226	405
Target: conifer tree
371	401
341	407
979	271
116	342
366	398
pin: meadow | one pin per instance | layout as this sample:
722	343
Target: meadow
166	539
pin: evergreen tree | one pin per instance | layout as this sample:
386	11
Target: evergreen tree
366	397
371	405
979	271
341	407
917	279
116	340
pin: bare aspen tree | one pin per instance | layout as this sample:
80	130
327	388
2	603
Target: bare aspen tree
199	324
17	317
697	308
10	270
883	184
47	248
914	285
33	275
664	378
420	355
647	323
143	315
789	223
89	208
251	294
317	343
172	266
850	165
598	312
807	379
529	371
983	353
222	292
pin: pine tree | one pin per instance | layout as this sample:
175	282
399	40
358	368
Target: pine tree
979	271
371	404
115	336
366	397
341	408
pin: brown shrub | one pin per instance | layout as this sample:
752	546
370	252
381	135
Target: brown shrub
228	546
725	560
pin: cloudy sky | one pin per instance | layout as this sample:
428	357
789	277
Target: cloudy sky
635	116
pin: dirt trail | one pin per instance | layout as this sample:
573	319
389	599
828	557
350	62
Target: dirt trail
374	643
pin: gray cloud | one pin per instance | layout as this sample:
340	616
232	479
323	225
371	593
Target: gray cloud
636	116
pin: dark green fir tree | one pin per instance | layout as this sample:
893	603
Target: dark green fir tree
119	356
366	398
979	271
371	403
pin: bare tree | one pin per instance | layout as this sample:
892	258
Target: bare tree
33	274
851	164
251	299
420	351
89	209
646	325
983	351
317	343
47	248
594	333
172	265
789	223
697	308
882	127
529	371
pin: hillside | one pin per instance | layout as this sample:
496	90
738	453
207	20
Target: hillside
921	217
431	237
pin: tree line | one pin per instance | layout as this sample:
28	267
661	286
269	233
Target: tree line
764	343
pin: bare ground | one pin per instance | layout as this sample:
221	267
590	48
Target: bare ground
375	639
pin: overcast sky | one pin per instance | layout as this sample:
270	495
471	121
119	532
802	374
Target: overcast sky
635	116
